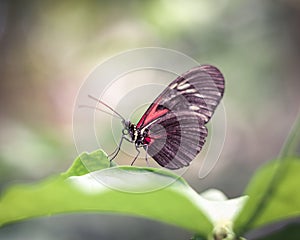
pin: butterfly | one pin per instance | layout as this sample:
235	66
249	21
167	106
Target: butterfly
172	130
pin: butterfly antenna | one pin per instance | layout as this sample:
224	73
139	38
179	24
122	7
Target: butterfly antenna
99	109
106	105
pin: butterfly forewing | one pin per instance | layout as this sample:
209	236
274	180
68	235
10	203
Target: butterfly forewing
176	119
202	87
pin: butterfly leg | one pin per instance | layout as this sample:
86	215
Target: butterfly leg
109	155
146	149
117	150
136	147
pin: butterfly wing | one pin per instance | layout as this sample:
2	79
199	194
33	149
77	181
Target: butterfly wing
176	139
176	119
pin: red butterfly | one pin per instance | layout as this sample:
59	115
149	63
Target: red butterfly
172	130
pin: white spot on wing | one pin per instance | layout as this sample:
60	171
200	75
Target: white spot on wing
199	95
194	108
202	116
174	85
192	90
183	86
183	82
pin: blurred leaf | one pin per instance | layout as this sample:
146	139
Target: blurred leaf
273	190
273	195
292	143
291	232
167	197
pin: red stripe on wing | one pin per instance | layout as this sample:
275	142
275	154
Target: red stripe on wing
151	114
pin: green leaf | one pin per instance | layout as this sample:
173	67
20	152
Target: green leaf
273	195
144	192
86	163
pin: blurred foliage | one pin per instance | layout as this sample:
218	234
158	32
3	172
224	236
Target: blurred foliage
270	194
48	48
291	231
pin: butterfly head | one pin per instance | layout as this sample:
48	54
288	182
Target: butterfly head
130	129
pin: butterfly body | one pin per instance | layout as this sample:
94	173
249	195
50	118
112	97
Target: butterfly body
138	136
172	130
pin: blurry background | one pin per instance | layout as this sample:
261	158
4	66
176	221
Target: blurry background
49	47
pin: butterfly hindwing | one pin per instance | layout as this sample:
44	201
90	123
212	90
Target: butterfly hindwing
176	139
